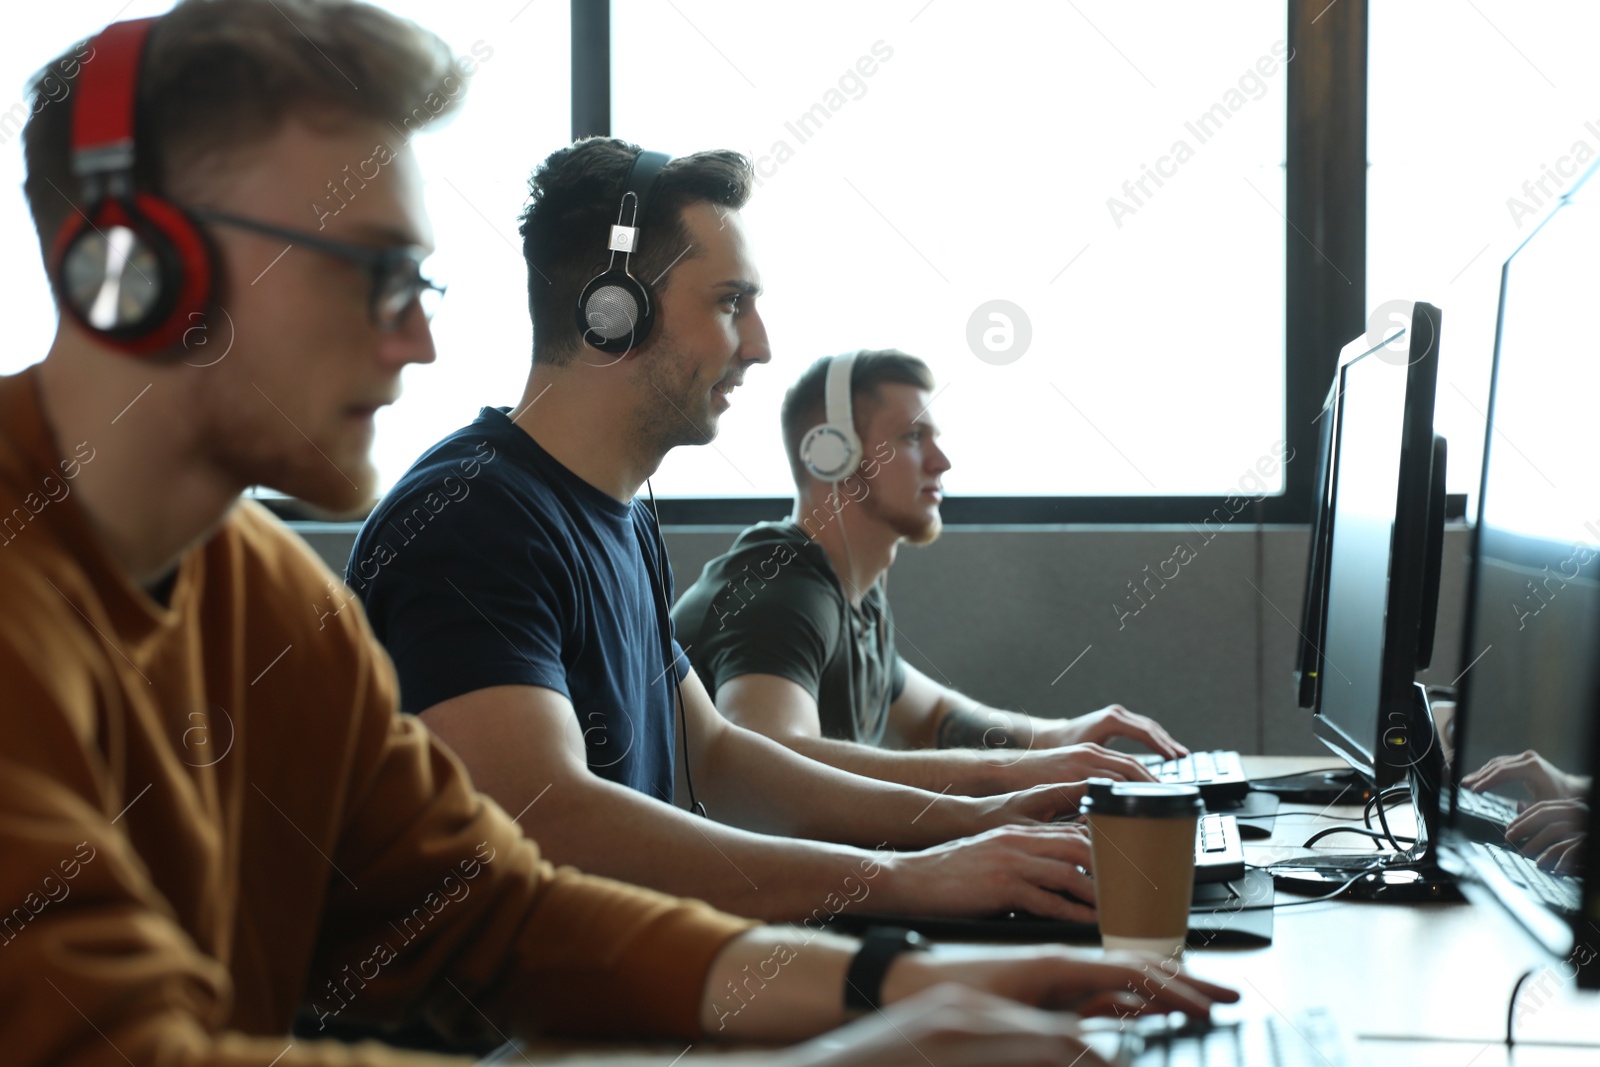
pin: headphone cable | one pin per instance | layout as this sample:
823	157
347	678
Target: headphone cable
659	580
860	715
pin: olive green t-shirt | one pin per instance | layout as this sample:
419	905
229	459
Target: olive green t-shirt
772	604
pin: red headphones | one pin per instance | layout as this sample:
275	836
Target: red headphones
134	270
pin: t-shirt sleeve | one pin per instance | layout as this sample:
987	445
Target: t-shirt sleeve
787	627
471	600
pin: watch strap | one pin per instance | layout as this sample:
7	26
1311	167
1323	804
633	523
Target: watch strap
880	945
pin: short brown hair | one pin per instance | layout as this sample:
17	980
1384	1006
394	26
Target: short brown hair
806	403
573	198
220	75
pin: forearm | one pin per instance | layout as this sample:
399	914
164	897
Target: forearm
968	724
956	771
777	983
606	829
764	786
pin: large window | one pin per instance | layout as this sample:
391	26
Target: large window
1481	114
1074	215
1119	188
518	111
962	180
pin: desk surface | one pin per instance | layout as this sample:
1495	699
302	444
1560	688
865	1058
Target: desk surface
1434	980
1424	984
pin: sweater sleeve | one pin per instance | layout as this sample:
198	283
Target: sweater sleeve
435	901
95	971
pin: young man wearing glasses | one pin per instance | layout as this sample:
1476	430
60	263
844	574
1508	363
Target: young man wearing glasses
210	812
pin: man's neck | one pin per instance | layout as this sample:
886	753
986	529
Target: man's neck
860	548
586	428
147	499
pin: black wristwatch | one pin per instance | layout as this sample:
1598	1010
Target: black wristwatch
863	982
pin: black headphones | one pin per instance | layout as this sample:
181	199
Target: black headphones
615	313
134	269
616	310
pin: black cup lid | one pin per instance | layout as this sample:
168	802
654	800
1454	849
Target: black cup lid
1156	800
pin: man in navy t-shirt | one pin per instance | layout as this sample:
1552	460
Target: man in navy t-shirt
513	577
560	571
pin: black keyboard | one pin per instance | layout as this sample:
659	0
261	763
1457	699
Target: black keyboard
1308	1038
1487	806
1558	891
1218	853
1484	816
1220	775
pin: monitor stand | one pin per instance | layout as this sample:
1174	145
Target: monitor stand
1326	787
1408	876
1395	876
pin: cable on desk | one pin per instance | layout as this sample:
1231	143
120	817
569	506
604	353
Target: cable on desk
1293	903
1397	792
1446	1039
1376	835
1383	821
1511	1007
1400	791
1282	815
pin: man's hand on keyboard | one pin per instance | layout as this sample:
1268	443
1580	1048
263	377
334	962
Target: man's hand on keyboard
1542	779
1551	834
951	1025
1051	976
1071	766
1111	722
1037	869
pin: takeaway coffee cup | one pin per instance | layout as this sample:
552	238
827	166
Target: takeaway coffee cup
1142	836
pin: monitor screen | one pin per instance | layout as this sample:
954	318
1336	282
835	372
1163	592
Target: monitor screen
1522	747
1377	543
1308	660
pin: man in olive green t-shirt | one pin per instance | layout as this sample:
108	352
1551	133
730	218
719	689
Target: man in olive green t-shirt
791	632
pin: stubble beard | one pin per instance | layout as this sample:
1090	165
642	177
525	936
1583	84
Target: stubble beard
673	411
913	527
255	451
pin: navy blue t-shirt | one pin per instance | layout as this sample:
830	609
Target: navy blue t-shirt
489	563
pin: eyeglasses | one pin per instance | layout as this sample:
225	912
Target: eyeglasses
395	273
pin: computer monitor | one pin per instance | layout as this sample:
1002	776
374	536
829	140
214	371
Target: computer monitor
1308	659
1526	724
1379	515
1372	591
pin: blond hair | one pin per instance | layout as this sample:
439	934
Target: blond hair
222	75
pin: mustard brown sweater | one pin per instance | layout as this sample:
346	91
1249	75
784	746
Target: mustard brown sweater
211	814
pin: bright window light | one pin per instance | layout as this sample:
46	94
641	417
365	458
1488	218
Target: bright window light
1076	220
1479	116
1107	181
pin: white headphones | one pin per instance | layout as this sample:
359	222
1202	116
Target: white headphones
831	451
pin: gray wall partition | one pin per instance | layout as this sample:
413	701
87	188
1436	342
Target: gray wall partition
1024	618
